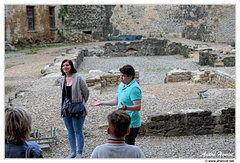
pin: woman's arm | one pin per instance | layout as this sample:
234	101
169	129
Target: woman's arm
109	102
135	107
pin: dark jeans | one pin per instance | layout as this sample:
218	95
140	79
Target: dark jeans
130	138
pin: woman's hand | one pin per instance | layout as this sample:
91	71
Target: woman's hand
124	107
96	103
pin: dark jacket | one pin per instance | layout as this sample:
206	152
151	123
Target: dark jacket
18	151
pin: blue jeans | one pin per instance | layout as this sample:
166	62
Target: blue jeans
75	130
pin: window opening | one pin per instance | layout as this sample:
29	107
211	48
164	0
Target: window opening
30	17
51	17
87	32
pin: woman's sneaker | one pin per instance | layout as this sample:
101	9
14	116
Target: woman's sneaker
71	156
79	156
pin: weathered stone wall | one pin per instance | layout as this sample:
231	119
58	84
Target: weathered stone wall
16	28
86	23
105	79
213	23
79	23
214	59
222	80
197	22
146	47
191	122
177	75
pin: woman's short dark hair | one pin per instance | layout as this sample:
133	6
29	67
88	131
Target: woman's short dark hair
128	70
73	70
118	123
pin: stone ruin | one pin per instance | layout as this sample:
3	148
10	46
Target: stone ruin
216	59
105	79
185	122
222	80
191	122
146	47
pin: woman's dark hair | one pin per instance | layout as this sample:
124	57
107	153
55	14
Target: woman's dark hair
128	70
73	70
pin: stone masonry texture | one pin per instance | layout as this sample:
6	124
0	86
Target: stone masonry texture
81	23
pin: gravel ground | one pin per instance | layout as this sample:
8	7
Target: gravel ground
42	99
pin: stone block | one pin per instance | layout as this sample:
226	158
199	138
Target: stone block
197	112
195	121
175	115
203	131
208	120
219	129
159	117
179	132
226	110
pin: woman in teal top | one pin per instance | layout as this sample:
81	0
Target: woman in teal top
128	98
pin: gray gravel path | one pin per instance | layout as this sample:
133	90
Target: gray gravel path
152	68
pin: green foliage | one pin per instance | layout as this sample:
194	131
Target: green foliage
33	51
63	12
232	44
61	35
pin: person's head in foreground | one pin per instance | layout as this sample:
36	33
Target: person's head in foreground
17	131
17	125
116	147
118	124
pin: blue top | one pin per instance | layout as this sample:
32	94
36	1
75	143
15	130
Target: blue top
128	94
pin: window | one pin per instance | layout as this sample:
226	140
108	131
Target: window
51	17
30	18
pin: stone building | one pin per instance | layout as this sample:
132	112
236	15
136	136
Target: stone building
30	24
38	24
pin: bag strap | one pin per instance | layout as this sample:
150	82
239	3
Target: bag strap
28	152
65	86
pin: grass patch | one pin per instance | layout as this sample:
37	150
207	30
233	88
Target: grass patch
36	48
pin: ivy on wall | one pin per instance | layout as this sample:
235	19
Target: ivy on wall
63	12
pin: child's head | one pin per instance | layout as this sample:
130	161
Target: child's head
17	125
118	123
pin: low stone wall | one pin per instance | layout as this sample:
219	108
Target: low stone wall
106	79
191	122
178	75
80	57
146	47
222	80
216	60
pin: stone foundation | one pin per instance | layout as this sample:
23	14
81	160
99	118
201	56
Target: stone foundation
146	47
216	60
222	80
104	79
191	122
